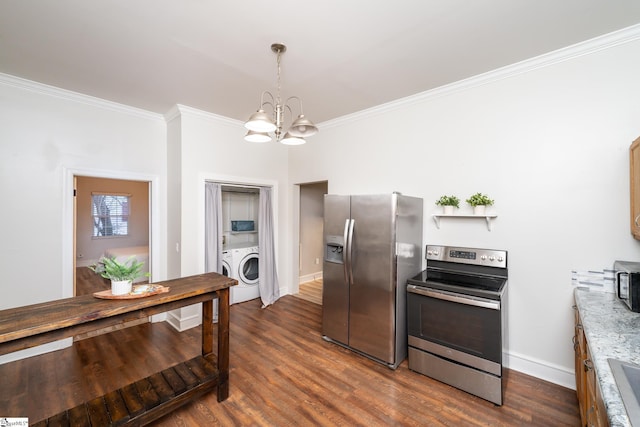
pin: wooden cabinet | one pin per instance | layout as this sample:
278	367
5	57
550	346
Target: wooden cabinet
592	410
578	346
634	169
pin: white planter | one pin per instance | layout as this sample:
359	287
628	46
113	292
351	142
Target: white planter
120	287
448	210
479	210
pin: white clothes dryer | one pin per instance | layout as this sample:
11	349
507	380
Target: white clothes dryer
245	267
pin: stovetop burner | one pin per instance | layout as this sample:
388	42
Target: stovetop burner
481	286
469	271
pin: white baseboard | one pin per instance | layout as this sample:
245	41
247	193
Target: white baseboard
35	351
183	323
310	277
539	369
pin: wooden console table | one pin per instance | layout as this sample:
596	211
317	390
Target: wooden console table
150	398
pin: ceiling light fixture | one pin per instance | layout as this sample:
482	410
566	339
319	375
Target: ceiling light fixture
260	124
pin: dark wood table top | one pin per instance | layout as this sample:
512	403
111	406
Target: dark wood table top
25	321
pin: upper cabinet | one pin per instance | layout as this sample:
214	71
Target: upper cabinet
634	156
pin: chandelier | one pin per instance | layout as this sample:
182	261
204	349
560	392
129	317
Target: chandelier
261	124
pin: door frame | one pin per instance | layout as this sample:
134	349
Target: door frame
68	221
204	177
296	201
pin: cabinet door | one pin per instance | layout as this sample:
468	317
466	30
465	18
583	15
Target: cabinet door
579	346
634	169
600	416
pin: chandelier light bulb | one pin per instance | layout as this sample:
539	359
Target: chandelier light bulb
288	139
259	137
260	122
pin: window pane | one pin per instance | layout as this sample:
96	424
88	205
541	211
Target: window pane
110	215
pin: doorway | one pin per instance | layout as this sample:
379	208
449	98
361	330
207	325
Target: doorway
122	204
311	241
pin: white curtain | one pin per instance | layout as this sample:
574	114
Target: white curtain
269	286
213	227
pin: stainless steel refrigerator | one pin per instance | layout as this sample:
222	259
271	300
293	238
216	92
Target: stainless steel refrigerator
372	246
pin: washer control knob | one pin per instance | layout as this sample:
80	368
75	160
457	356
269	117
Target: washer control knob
500	259
483	257
492	258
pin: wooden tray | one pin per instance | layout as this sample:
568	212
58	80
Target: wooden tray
153	290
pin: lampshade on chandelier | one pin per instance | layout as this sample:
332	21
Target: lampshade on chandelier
261	124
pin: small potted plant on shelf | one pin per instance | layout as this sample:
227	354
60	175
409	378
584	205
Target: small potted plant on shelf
479	202
448	203
121	274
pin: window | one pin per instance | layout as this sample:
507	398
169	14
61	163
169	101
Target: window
110	214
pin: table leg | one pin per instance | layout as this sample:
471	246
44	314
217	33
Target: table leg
207	327
223	344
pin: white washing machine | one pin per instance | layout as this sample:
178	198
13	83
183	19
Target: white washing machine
227	264
244	262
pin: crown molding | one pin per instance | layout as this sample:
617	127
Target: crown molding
67	95
183	110
588	47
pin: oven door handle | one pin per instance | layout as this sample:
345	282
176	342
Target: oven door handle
447	296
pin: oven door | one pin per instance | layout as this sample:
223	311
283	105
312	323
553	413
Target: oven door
462	328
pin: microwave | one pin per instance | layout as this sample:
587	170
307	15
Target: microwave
627	283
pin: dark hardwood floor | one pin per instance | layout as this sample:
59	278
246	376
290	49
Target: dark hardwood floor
282	374
88	282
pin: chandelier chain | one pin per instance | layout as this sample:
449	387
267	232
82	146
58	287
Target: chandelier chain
278	99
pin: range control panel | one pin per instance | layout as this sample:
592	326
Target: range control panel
475	256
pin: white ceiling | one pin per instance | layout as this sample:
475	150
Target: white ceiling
343	56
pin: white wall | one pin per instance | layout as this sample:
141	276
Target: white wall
213	149
550	145
43	133
240	206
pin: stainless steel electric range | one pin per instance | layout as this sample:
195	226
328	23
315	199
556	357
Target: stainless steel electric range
456	314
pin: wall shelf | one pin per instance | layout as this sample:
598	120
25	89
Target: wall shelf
488	218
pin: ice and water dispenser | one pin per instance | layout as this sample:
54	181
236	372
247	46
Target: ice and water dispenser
333	249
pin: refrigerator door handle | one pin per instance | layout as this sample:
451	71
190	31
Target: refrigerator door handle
345	258
350	250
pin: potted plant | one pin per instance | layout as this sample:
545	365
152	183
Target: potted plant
479	202
448	203
121	274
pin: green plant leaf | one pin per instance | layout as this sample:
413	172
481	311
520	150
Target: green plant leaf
448	201
130	269
480	199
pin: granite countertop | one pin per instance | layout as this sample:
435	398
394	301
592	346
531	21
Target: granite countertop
612	331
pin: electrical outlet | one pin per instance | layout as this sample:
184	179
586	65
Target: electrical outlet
317	261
